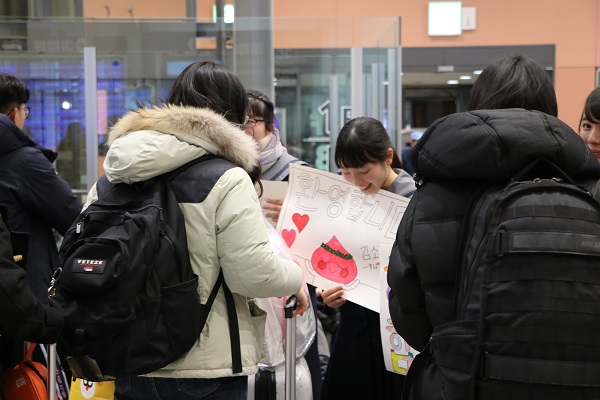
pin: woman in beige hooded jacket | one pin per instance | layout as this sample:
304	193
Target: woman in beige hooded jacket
204	114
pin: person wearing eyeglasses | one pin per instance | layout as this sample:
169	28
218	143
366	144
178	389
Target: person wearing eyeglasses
274	160
37	200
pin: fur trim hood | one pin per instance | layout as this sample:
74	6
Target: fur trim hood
139	137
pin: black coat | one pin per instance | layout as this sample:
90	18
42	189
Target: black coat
36	200
457	156
22	315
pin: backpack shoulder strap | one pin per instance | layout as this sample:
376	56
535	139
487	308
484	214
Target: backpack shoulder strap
102	186
117	193
542	168
173	174
234	331
420	363
280	170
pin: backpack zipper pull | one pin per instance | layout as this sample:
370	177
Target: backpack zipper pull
52	288
79	227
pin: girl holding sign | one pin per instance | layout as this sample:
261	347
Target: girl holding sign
356	370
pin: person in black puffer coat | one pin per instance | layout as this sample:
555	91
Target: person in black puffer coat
22	315
457	156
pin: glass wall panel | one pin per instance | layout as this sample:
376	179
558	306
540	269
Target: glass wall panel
138	61
313	79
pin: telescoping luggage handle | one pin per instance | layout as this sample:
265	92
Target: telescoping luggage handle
51	381
290	348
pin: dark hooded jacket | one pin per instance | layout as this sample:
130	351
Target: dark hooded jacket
36	200
458	156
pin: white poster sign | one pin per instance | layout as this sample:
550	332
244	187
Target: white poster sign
333	230
397	354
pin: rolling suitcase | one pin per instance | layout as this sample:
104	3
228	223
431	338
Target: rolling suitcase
290	348
51	388
273	380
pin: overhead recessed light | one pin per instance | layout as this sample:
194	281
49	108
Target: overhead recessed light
453	82
478	71
464	77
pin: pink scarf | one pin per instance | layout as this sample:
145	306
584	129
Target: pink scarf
271	149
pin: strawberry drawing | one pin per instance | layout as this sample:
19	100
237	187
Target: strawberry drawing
333	262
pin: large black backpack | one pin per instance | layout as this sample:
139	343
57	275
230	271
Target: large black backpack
528	294
126	285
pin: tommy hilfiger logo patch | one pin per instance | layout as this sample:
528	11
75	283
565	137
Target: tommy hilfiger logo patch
89	266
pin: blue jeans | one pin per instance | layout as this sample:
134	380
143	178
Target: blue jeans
143	388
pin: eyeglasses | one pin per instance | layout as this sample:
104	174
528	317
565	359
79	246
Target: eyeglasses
25	109
251	122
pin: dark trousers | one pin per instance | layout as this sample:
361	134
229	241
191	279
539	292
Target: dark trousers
143	388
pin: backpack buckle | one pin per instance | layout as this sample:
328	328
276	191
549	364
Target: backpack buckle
87	368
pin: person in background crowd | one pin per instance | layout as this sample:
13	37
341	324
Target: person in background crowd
406	152
72	155
356	370
37	200
204	114
274	158
589	125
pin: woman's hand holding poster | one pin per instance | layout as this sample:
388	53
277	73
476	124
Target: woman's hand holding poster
334	230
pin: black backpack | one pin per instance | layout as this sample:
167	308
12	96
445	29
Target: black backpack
126	285
528	294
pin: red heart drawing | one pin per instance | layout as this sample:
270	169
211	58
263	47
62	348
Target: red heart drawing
289	236
300	220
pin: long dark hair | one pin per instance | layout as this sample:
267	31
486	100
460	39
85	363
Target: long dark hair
363	140
514	82
591	110
205	84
